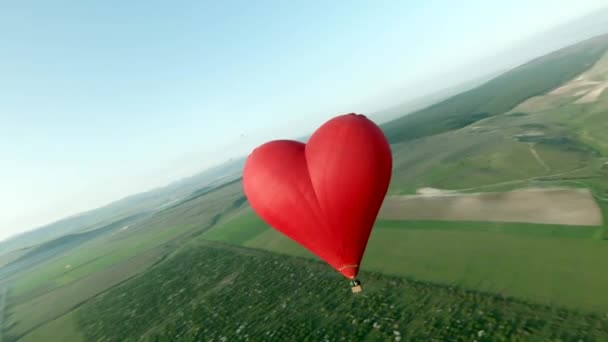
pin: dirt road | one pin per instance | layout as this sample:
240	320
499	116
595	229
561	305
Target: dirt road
538	158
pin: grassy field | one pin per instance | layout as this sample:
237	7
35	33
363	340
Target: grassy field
472	158
559	271
587	121
232	230
547	264
61	329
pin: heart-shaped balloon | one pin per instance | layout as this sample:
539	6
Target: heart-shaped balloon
325	194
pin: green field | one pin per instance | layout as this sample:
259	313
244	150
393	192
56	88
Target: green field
61	329
233	229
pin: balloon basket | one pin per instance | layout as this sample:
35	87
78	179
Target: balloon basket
355	286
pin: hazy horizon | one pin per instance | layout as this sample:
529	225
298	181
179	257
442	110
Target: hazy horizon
93	112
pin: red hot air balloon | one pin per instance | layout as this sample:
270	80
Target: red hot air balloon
325	194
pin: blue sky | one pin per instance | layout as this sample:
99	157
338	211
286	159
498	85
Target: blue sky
102	99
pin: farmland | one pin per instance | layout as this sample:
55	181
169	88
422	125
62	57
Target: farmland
475	255
509	241
124	244
547	149
91	259
239	294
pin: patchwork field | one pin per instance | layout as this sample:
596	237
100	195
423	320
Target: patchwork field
90	259
550	206
244	294
513	246
543	263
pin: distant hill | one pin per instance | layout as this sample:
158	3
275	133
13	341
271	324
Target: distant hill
500	94
152	200
421	102
570	33
460	80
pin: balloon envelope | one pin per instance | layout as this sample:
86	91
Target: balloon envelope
325	194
